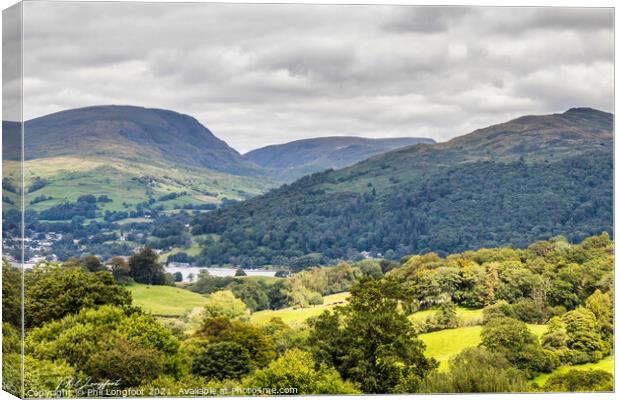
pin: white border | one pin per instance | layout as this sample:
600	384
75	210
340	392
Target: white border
533	3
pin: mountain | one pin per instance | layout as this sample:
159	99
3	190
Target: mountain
301	157
131	154
131	133
508	184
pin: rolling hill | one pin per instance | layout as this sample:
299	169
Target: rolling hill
130	154
301	157
508	184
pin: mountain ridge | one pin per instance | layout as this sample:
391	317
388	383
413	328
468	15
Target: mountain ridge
121	131
294	159
507	184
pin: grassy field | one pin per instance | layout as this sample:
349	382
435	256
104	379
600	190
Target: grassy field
443	345
70	177
165	300
193	250
468	315
606	364
297	316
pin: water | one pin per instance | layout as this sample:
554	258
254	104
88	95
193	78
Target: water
185	271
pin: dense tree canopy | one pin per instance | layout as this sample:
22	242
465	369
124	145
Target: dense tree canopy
467	206
52	291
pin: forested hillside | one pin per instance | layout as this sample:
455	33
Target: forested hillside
517	320
290	161
509	184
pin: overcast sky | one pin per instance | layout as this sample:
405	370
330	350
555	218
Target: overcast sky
264	74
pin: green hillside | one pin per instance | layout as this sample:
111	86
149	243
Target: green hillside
295	159
297	316
445	344
132	155
509	184
165	301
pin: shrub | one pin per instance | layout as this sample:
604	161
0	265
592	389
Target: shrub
295	369
499	309
476	370
580	381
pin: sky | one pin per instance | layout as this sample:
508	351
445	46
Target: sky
263	74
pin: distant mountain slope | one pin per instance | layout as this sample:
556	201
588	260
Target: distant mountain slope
509	184
131	133
301	157
133	155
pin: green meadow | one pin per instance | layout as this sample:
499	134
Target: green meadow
445	344
296	317
165	301
606	364
469	316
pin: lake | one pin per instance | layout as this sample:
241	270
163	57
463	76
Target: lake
185	271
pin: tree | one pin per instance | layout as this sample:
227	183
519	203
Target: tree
11	294
145	267
125	362
109	342
92	264
555	337
446	316
500	309
53	292
120	270
224	303
295	370
584	336
512	339
240	272
252	338
601	305
222	360
476	370
371	341
178	277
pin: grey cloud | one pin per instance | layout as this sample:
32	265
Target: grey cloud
264	74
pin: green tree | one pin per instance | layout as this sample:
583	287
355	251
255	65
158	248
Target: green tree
92	264
371	341
584	336
222	360
555	337
120	270
224	303
128	363
48	375
500	309
99	340
240	272
601	305
145	267
53	292
512	339
252	338
476	370
11	294
295	369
